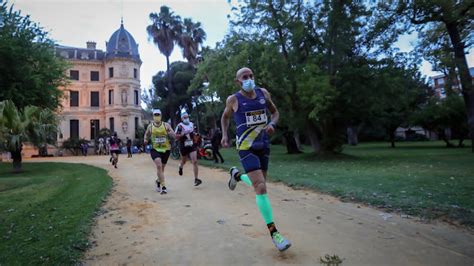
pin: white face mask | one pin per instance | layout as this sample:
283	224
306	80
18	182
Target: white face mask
248	85
186	121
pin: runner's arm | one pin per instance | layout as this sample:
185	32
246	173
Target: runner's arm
170	131
225	119
275	115
147	134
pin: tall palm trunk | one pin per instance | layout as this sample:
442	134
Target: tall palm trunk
16	156
170	90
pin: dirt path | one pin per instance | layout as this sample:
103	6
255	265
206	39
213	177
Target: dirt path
210	225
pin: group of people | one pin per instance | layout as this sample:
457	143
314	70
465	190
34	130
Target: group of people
249	107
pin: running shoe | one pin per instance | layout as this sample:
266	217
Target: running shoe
280	242
158	188
163	190
197	182
232	180
180	170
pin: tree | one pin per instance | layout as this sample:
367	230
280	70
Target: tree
43	130
192	35
457	18
164	32
14	125
30	73
171	103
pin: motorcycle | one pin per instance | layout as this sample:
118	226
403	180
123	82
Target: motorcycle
205	150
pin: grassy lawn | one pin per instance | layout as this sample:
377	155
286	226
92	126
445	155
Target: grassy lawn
418	178
46	211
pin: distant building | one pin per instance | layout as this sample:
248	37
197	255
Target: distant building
439	84
105	89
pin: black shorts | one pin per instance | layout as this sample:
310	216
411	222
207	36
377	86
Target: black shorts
163	155
185	151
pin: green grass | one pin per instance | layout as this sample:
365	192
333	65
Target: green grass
46	211
418	178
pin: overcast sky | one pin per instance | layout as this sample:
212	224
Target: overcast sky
73	23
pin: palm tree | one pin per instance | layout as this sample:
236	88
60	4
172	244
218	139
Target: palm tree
190	38
43	130
14	126
164	31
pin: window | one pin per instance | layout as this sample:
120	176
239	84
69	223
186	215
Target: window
74	74
135	73
74	98
136	97
94	99
136	128
74	129
111	72
111	97
111	125
94	75
95	125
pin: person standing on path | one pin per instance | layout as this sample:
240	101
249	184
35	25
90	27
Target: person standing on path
249	107
187	147
115	149
129	147
160	133
216	142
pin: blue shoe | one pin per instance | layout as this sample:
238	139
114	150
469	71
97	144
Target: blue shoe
232	180
280	242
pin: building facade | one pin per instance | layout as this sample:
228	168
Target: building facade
104	91
439	84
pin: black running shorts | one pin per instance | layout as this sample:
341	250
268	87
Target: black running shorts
163	155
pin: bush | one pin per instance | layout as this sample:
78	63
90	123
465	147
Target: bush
74	145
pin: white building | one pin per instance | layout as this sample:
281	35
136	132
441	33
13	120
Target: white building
104	91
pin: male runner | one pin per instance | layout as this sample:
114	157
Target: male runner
160	133
249	106
185	134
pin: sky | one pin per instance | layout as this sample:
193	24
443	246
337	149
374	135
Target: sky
74	22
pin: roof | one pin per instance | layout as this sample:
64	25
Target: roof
122	45
69	52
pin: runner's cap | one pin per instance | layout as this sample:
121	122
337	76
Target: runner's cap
156	111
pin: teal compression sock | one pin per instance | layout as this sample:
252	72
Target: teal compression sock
263	203
245	178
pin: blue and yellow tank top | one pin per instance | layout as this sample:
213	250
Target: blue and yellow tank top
251	119
159	138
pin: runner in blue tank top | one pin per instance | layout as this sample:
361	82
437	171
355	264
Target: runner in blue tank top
251	106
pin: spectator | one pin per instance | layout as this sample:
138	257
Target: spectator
215	142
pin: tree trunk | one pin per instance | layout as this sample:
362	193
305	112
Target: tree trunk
291	146
16	156
170	93
313	136
392	138
352	136
444	137
465	76
296	134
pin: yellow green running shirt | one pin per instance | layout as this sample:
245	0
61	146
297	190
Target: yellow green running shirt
159	138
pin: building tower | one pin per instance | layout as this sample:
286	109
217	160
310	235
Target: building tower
122	84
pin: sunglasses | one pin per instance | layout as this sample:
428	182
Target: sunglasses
156	114
249	76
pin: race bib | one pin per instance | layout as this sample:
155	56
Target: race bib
188	143
160	140
257	117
